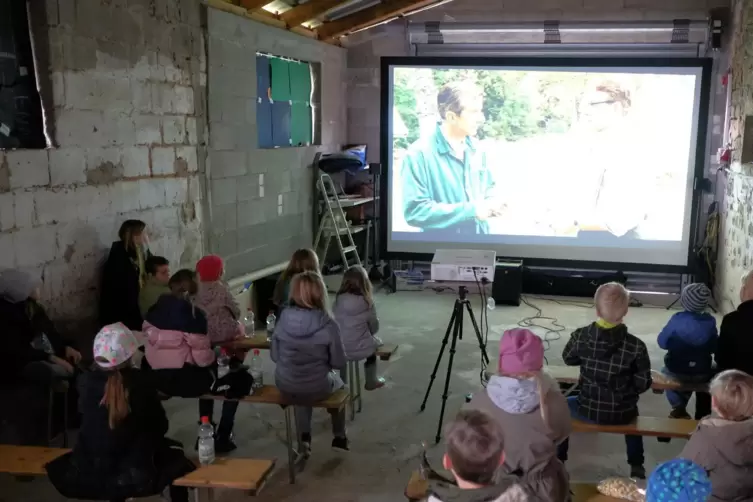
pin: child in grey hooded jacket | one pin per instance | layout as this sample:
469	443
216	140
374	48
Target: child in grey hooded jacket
356	314
532	413
306	346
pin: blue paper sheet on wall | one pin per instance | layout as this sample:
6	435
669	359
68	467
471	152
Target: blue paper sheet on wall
264	123
281	123
262	76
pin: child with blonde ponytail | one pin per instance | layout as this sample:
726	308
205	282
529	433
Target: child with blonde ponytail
532	413
122	451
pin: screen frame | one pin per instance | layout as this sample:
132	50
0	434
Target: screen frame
705	64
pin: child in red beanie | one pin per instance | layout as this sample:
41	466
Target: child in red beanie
223	314
214	298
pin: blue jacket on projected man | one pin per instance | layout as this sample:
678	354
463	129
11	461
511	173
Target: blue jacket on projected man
447	187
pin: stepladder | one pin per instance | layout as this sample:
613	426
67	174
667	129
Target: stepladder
334	225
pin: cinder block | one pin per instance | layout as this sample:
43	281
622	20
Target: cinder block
24	209
56	206
7	251
184	100
163	160
223	191
176	191
151	193
35	246
223	136
98	157
28	168
67	166
141	95
163	99
224	218
187	154
226	164
7	211
93	202
147	130
227	243
115	94
248	187
81	91
135	161
191	131
126	197
174	130
57	80
80	128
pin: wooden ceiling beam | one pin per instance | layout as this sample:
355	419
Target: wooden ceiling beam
368	17
251	5
308	11
261	16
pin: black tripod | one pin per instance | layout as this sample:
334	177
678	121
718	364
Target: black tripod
456	327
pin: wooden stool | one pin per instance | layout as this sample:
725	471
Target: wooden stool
354	384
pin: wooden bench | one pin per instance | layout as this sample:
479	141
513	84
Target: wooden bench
269	394
643	426
227	473
259	341
418	489
661	383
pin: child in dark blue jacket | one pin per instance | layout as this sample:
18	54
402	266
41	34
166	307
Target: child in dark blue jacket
690	339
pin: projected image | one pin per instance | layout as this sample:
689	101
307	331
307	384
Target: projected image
590	158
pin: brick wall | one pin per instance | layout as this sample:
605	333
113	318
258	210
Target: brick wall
736	233
245	227
126	111
365	48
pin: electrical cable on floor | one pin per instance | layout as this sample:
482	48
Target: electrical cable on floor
484	332
551	334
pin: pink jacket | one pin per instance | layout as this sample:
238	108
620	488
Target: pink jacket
223	313
168	349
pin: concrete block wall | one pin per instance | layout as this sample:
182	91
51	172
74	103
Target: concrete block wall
736	233
126	110
365	48
260	200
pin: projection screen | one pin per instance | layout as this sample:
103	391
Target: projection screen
565	160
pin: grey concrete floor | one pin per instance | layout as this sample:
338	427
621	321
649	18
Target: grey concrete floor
386	437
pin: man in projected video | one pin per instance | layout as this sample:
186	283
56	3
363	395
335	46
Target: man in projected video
447	187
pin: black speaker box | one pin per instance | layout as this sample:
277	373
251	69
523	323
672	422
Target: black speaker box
508	283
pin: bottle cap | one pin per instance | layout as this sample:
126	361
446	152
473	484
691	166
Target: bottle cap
256	352
204	420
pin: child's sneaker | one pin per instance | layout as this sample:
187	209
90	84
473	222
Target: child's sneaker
305	445
378	384
637	472
340	444
679	412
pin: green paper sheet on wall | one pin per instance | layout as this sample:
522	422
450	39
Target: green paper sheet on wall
300	124
280	79
300	82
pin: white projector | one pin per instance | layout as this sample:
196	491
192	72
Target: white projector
463	265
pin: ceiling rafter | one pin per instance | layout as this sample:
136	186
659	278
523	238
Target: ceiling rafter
251	5
308	11
261	16
370	16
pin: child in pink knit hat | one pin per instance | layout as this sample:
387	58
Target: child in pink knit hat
532	412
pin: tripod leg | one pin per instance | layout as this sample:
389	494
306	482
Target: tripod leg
480	339
455	335
439	357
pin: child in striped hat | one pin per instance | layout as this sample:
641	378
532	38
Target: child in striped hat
690	339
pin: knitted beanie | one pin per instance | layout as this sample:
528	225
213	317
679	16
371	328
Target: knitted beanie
210	268
695	297
520	351
678	480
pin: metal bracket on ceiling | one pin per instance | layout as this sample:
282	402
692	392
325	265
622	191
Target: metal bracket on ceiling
681	31
433	33
552	32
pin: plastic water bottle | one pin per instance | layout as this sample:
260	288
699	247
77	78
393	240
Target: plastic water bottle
223	364
206	442
271	320
248	323
490	303
257	370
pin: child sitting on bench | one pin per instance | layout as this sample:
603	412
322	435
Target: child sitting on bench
614	371
690	339
121	451
215	299
532	413
356	314
303	260
725	439
307	347
475	452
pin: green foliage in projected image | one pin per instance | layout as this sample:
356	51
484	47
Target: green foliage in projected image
517	105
